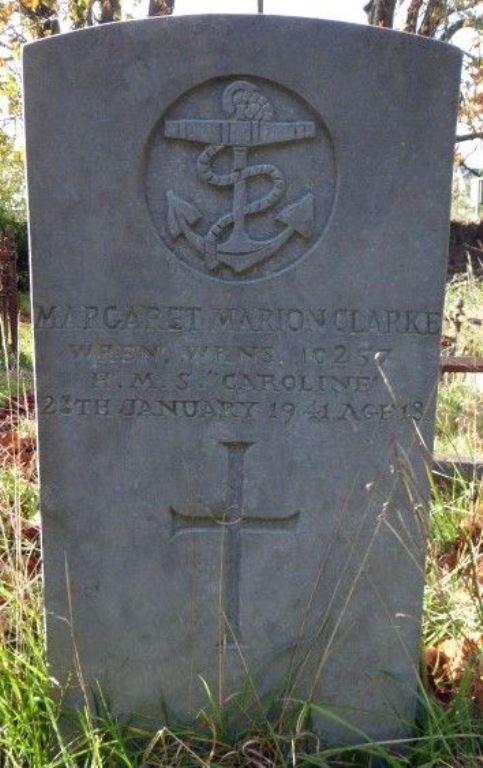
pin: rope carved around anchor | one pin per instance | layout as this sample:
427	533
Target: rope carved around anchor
206	173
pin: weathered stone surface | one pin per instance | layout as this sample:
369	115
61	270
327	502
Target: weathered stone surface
231	218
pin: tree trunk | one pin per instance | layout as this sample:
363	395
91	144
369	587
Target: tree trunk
434	16
95	12
160	7
107	11
380	13
412	16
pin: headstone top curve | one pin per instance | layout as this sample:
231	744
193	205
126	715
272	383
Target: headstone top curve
265	20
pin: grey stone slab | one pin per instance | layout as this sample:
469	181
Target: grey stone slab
239	231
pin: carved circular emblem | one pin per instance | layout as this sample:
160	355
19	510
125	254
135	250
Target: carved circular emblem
240	178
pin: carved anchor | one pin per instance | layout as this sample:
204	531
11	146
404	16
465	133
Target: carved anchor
250	124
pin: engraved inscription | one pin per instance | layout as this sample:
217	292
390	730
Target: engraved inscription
153	319
236	411
239	366
231	521
264	209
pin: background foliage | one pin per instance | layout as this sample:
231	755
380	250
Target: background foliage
22	21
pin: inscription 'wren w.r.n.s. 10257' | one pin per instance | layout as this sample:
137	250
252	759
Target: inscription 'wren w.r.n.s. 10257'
249	124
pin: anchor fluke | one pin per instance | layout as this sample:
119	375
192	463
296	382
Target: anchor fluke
299	216
298	219
180	215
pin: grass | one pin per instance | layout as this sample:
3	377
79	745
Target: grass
459	418
463	316
17	379
449	723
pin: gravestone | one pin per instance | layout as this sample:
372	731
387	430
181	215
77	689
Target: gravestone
239	230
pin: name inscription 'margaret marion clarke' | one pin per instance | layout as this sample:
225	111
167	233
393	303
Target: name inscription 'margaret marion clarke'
238	259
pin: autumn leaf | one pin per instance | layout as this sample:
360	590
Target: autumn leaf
446	663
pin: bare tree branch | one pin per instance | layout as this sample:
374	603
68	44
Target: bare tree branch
43	16
469	136
453	29
473	171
